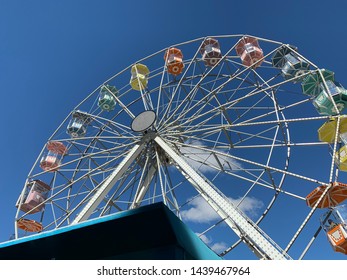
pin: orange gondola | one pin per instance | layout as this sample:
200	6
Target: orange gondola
334	196
29	225
174	61
337	237
334	223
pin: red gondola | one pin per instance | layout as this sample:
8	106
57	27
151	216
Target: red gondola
51	160
210	50
35	195
249	51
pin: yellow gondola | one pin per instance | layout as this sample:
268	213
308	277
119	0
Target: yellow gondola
139	76
327	132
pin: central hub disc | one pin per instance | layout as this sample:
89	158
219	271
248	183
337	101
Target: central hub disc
143	121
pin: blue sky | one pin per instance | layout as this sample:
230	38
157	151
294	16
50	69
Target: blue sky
53	53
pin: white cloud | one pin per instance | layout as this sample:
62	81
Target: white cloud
200	211
204	238
206	161
250	205
217	247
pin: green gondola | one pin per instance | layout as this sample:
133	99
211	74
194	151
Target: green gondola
323	102
291	64
107	101
311	85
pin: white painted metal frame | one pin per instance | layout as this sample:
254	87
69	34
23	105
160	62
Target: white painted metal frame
193	113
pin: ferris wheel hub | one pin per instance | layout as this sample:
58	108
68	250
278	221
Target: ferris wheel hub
143	121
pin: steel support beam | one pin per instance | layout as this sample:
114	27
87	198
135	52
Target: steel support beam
103	190
253	236
143	188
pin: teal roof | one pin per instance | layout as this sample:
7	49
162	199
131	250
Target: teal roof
149	232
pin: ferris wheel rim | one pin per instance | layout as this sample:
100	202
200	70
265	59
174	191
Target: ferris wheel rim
165	124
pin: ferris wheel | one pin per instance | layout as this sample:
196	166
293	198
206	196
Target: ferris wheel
230	132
